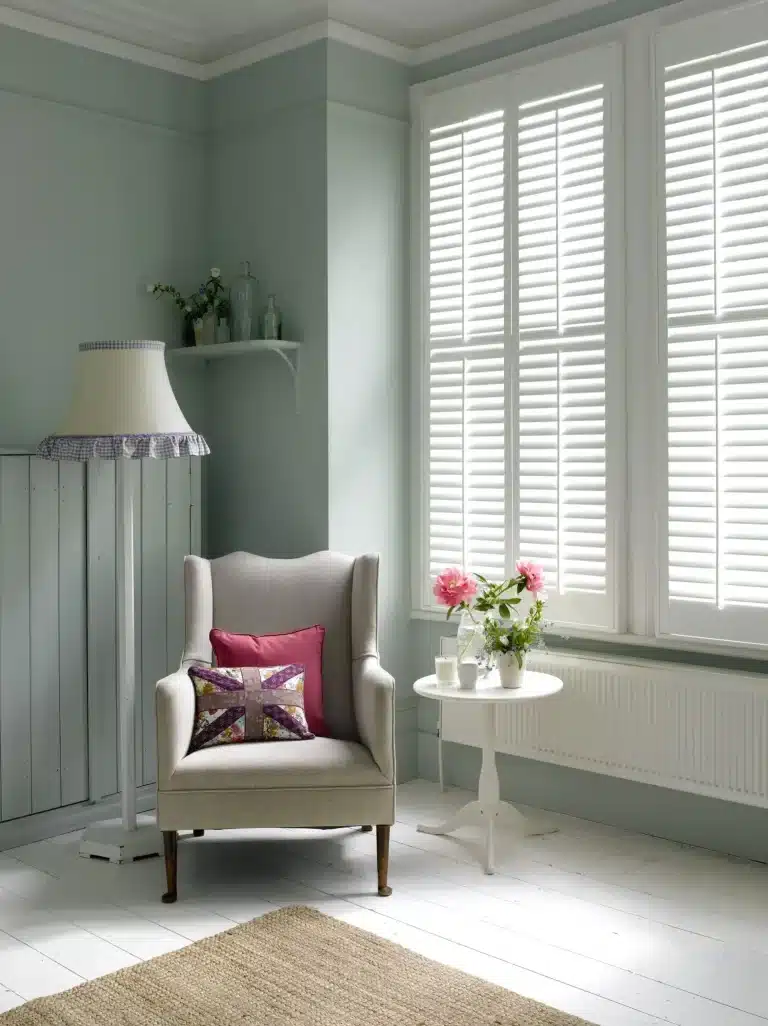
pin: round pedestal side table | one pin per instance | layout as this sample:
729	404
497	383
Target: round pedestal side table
488	810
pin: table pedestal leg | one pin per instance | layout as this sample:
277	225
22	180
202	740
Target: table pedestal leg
487	811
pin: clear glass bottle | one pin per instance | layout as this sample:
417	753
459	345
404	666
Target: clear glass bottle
470	641
242	305
272	320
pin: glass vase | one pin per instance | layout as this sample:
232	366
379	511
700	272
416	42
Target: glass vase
470	641
242	305
222	331
205	330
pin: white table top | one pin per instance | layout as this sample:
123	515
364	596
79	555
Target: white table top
489	689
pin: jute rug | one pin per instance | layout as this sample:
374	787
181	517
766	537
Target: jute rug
293	966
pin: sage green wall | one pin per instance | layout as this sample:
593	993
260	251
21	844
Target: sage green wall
367	361
102	164
268	472
308	165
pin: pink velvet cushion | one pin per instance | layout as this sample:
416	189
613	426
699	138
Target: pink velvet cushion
304	647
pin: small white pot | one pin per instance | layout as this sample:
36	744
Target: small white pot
468	671
510	673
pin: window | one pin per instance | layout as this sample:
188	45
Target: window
715	123
645	496
517	343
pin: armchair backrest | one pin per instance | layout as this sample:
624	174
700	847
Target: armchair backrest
249	594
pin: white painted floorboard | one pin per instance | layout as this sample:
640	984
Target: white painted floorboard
618	928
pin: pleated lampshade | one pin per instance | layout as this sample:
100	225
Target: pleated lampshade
123	406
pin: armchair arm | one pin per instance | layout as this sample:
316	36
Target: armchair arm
373	691
175	710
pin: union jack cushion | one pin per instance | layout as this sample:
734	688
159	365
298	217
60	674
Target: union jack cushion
251	703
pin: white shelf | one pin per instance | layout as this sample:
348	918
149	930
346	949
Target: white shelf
287	351
221	349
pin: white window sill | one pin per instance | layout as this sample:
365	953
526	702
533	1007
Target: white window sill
735	650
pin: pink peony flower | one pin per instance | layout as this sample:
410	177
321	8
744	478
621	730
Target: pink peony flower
533	574
453	587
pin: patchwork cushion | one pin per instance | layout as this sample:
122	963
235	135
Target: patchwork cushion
248	703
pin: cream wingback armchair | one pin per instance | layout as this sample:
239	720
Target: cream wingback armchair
344	780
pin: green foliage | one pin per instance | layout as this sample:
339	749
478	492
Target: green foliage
516	636
499	596
507	632
211	297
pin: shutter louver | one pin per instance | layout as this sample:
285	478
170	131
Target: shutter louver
466	460
716	154
561	424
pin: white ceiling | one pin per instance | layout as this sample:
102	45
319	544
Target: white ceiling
205	30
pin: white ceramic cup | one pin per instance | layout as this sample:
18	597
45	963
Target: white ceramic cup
468	671
446	669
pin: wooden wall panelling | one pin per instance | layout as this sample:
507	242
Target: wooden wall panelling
15	672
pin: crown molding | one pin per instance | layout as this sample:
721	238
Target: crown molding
512	26
261	51
302	37
204	71
101	44
373	44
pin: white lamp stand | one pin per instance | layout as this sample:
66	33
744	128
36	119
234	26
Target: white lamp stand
124	408
124	840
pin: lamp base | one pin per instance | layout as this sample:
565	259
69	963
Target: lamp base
111	841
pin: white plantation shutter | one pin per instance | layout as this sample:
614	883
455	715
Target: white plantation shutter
563	502
466	319
514	284
716	240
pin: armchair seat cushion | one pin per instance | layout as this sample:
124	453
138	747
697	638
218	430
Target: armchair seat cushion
321	762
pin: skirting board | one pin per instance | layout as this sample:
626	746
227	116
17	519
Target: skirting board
29	829
730	827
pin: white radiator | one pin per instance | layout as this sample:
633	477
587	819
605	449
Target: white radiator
684	727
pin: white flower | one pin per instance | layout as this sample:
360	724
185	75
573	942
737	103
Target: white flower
188	308
151	289
215	272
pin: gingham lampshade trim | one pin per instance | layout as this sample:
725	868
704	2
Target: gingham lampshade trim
85	347
117	447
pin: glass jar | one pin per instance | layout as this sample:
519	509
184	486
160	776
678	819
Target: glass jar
242	324
470	641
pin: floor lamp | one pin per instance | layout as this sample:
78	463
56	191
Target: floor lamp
123	408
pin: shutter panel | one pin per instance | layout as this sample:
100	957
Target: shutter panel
562	505
466	269
716	232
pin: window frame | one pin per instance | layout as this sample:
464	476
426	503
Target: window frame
639	602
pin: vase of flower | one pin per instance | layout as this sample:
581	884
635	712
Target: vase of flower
208	309
492	630
205	330
511	667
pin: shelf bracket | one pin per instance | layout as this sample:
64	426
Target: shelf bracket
291	359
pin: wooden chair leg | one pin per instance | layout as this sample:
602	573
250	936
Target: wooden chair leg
366	829
171	846
382	860
198	833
